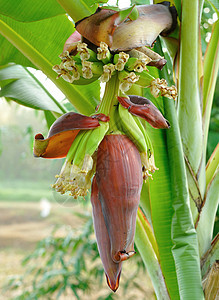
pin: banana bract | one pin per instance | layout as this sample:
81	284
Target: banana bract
124	34
62	134
119	182
145	109
112	269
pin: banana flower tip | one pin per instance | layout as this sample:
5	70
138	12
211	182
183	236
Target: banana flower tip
113	285
168	124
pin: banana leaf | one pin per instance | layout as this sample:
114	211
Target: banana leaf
29	11
38	44
205	223
24	88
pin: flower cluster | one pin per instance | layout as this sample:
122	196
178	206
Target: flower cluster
78	61
160	86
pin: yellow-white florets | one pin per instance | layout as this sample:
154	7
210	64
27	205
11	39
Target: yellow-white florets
102	51
122	60
83	51
107	72
128	81
160	86
75	180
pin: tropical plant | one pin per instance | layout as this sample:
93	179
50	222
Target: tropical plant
174	227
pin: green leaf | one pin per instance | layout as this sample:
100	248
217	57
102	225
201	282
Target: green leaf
41	42
79	9
25	89
140	2
210	256
160	197
212	165
211	67
185	246
45	38
176	3
181	229
215	5
205	224
50	118
162	209
171	215
149	257
134	14
28	11
130	12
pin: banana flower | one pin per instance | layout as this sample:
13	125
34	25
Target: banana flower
116	188
111	148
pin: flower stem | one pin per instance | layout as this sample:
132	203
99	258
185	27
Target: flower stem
108	105
109	97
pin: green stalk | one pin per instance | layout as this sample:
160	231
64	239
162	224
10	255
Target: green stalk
77	9
75	145
149	232
189	104
43	64
189	107
145	200
211	67
205	223
110	93
108	105
150	259
162	209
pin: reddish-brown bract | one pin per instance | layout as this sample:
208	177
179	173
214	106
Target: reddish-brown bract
112	269
119	181
73	39
122	34
145	109
63	132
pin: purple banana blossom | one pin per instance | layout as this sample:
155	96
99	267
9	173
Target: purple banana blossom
119	182
112	269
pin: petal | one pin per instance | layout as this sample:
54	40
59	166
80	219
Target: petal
145	109
112	269
62	134
119	180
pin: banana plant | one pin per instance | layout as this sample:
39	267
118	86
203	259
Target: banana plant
156	107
